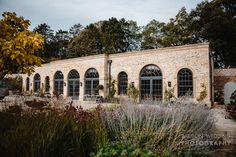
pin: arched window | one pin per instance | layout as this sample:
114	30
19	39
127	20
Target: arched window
151	83
73	83
37	81
185	82
122	83
58	82
91	81
47	84
27	84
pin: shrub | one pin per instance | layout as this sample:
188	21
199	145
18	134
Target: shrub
233	98
160	129
121	150
169	94
100	87
133	92
15	109
203	93
14	84
219	97
112	91
54	133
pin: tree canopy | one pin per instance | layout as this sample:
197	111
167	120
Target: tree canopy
88	42
213	22
109	36
18	45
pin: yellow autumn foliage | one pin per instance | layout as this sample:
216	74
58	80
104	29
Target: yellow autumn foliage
18	45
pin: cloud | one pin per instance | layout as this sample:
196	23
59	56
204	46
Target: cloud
62	14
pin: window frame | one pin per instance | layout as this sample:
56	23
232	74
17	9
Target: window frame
187	82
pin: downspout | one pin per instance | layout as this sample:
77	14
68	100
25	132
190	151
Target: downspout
211	78
109	76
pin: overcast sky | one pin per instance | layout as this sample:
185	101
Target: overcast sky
62	14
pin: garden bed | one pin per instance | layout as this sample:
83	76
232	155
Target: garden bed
146	129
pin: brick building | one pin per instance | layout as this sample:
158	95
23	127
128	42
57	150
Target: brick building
225	83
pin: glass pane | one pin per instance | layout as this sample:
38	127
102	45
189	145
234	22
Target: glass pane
73	87
36	82
95	84
47	84
58	86
92	73
150	70
27	84
185	82
91	81
61	87
157	90
145	89
151	83
70	86
76	88
58	75
88	84
73	74
122	83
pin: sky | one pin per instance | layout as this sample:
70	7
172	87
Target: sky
62	14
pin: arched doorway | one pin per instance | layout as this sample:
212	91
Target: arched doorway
91	82
58	82
47	84
37	82
122	83
27	84
151	83
185	82
73	83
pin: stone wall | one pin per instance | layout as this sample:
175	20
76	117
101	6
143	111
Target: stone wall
81	64
170	60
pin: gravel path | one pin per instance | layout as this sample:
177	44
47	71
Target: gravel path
226	127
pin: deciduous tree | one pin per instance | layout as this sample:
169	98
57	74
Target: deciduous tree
87	43
18	45
152	35
215	22
177	32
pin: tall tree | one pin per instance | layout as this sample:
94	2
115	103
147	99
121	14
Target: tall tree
152	35
48	35
132	35
215	22
119	35
61	41
75	30
177	32
88	42
113	35
18	45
